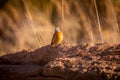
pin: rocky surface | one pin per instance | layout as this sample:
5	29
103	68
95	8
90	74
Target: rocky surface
63	62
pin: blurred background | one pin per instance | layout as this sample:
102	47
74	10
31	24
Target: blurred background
30	24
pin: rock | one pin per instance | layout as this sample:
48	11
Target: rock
63	62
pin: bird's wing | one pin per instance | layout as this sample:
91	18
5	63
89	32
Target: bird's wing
53	39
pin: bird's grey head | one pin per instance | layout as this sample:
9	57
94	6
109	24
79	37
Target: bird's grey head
57	29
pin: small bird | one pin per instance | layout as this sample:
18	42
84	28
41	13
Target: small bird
57	37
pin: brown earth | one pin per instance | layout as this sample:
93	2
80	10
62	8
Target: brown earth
63	62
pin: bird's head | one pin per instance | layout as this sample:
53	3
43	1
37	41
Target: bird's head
57	29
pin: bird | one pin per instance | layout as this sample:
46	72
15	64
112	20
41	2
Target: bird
57	37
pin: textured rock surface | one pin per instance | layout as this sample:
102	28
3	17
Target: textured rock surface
63	62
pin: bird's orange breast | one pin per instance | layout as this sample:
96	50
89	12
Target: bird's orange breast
57	38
